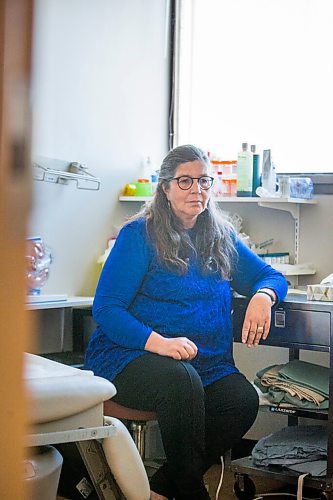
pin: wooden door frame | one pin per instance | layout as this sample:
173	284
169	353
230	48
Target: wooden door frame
15	199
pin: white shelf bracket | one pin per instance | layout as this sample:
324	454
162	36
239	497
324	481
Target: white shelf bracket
294	210
296	235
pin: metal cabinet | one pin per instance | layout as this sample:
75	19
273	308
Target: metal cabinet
297	324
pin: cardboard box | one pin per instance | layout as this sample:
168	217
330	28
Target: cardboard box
320	292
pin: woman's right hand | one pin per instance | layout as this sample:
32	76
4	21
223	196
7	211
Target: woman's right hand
180	348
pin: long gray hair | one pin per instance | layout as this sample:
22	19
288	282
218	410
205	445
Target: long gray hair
213	243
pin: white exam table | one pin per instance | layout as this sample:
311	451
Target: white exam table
66	405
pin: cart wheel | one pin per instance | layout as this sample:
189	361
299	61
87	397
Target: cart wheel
244	487
326	495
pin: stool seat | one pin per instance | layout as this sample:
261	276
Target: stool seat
137	418
113	409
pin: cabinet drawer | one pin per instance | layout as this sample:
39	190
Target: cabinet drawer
291	325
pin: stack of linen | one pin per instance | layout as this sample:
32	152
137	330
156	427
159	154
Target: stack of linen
302	449
297	383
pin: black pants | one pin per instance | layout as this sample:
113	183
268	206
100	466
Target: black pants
198	424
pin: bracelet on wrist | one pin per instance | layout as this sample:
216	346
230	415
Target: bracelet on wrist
270	295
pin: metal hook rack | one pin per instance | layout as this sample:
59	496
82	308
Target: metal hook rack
60	172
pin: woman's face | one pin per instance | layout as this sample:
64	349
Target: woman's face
188	204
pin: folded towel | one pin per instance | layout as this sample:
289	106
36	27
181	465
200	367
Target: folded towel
298	382
302	448
308	375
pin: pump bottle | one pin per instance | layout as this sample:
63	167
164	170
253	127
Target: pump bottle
255	170
244	171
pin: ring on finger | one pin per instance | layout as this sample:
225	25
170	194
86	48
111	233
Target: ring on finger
260	329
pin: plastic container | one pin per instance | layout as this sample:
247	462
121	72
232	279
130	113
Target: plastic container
233	178
129	190
154	182
143	187
284	186
226	177
218	187
147	168
102	258
216	167
38	262
275	257
301	187
229	178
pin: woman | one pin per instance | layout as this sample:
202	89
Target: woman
164	335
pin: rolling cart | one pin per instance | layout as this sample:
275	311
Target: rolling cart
297	324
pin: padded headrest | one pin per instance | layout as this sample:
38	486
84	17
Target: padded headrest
56	391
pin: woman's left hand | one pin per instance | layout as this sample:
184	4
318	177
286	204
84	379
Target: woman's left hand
257	320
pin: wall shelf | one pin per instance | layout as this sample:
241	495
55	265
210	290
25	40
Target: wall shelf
295	269
264	202
135	198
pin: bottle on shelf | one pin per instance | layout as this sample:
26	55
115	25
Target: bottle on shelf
226	177
129	190
268	180
154	181
215	165
102	258
244	171
147	168
233	178
144	185
218	188
255	169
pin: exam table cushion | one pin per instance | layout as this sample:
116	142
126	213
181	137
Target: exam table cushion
57	391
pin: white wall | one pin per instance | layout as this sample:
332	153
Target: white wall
100	97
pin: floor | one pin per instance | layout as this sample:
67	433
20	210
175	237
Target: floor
262	486
212	479
270	489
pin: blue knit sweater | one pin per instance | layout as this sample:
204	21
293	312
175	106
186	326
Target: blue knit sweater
136	295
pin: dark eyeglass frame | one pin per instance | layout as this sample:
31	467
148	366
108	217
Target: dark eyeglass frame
211	179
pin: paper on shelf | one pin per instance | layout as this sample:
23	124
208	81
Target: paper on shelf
37	299
295	269
322	292
328	280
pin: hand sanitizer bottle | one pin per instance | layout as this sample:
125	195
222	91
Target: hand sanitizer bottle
147	168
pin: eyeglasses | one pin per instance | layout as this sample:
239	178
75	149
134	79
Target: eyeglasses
185	182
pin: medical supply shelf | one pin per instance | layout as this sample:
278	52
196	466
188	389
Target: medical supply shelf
295	412
235	199
291	205
297	324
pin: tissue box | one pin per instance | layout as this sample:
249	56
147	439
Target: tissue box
320	292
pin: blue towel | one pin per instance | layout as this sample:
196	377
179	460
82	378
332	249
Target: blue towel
302	448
